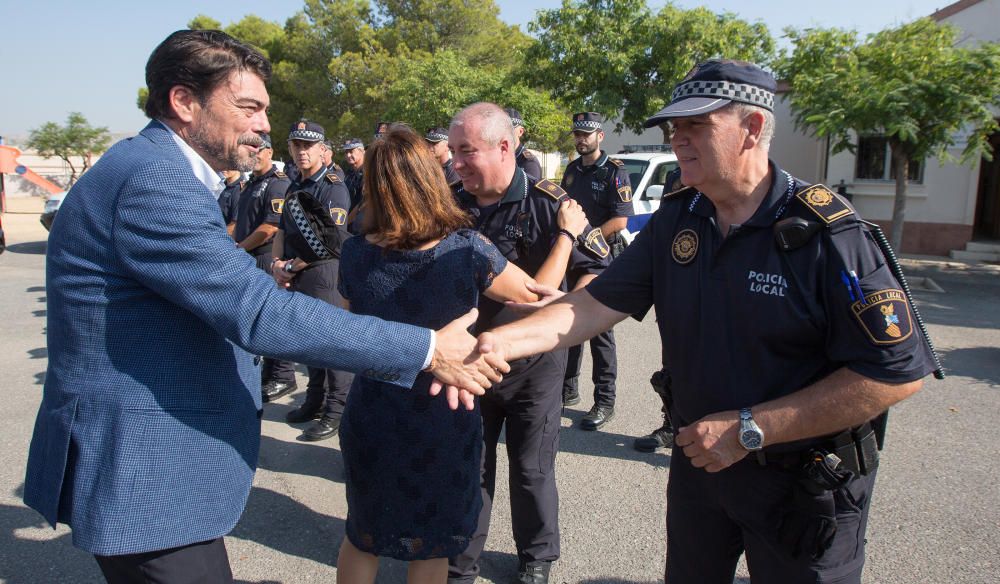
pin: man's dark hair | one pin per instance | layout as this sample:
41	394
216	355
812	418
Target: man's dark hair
200	60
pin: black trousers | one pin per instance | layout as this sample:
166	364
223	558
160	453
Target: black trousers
714	517
198	563
326	386
527	403
605	371
272	369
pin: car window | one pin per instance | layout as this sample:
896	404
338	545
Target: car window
635	169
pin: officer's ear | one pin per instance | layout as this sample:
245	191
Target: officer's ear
753	125
183	103
505	146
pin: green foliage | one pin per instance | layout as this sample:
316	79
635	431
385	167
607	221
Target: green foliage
619	58
142	98
75	139
911	84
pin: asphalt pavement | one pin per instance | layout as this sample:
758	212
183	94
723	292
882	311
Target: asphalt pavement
935	516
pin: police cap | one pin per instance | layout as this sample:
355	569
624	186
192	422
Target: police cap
266	138
307	131
515	117
381	128
717	83
352	143
588	122
436	134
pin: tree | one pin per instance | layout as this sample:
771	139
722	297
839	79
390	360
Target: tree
76	139
911	84
619	58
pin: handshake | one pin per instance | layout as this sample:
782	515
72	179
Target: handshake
466	366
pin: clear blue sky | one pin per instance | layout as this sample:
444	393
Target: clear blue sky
62	56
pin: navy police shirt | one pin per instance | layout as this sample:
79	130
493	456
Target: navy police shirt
331	192
603	189
742	322
260	202
523	225
229	198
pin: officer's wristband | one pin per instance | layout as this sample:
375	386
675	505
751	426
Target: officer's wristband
274	260
571	237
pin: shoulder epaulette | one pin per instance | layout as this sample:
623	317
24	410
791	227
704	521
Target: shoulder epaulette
551	189
333	178
825	204
280	174
527	153
616	162
337	167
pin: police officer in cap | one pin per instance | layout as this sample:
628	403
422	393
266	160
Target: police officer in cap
526	219
229	198
526	161
787	333
601	185
257	216
307	252
437	141
329	163
380	129
354	154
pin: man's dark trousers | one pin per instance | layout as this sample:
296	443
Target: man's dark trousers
529	403
605	368
198	563
326	387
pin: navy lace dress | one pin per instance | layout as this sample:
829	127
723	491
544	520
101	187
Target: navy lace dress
412	464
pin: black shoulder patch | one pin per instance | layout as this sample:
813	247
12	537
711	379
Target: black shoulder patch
551	189
280	174
333	178
824	203
595	242
616	162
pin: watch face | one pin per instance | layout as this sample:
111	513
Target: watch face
750	439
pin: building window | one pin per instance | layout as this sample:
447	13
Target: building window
874	162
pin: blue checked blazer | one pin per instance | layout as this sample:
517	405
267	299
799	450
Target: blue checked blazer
149	427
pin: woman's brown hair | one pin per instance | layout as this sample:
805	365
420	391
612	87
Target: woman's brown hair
407	202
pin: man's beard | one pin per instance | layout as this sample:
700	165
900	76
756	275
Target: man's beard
226	158
585	149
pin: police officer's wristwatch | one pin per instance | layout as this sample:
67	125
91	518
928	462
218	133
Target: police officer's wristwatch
751	436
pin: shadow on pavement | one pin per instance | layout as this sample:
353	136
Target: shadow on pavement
28	561
275	520
303	458
606	444
30	247
979	363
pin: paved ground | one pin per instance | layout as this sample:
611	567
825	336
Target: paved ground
935	518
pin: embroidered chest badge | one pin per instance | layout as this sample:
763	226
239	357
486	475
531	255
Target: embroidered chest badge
684	247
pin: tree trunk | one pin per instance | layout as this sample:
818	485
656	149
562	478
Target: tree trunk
901	166
665	128
72	169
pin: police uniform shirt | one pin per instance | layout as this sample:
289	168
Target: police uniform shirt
603	189
523	225
229	199
260	202
450	174
742	322
332	194
355	179
335	169
527	162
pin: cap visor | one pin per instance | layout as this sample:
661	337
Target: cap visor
692	106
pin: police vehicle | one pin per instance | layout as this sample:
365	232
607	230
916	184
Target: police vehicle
648	167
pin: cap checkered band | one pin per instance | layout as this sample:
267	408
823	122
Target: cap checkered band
299	216
305	135
741	92
586	125
517	122
436	136
353	144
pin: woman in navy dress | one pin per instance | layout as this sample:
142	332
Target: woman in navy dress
412	464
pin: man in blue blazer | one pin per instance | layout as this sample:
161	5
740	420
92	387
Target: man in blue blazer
148	433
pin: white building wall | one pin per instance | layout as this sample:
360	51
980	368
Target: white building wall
979	22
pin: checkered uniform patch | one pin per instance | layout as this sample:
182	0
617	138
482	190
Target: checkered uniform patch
299	216
725	90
